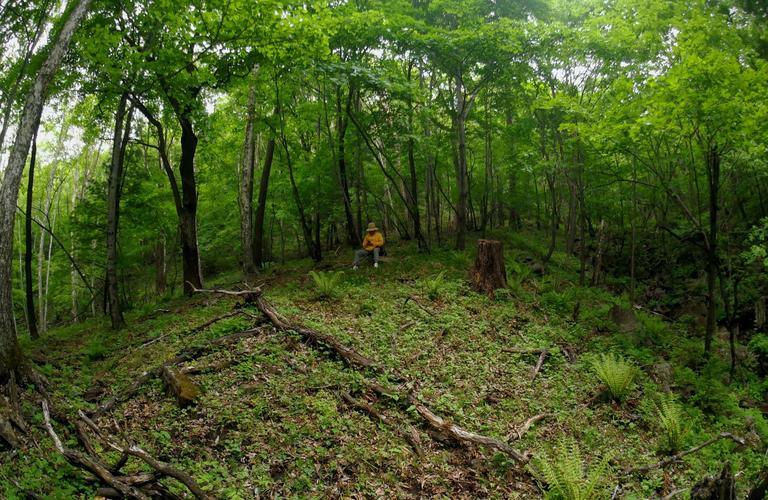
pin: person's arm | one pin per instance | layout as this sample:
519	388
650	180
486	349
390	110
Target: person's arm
378	240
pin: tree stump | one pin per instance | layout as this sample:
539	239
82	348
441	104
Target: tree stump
180	385
489	272
722	487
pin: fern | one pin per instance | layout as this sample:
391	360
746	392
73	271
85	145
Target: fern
564	474
617	374
670	421
326	283
434	285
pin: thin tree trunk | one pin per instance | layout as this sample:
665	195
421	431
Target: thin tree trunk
10	356
116	174
261	206
713	178
341	127
44	305
461	167
30	298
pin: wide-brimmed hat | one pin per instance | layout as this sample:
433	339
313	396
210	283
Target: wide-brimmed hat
372	227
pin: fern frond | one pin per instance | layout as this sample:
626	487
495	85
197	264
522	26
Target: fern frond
617	374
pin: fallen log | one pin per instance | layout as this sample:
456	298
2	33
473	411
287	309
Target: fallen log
180	385
159	466
674	458
412	436
462	435
94	466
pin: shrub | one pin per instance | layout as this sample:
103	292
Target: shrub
617	374
434	285
326	283
669	415
564	475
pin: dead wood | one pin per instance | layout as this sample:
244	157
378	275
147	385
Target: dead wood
539	364
543	353
350	356
518	432
184	355
249	296
180	385
760	489
462	435
356	360
412	435
489	272
213	367
86	462
674	458
135	451
411	298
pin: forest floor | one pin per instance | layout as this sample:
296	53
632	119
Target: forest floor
272	419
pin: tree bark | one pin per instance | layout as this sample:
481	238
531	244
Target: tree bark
713	178
353	234
461	165
489	272
31	316
115	185
261	207
245	195
10	356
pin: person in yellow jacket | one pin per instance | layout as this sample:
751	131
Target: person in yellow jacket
372	244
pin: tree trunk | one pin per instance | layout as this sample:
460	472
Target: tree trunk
489	272
461	165
31	316
713	177
188	219
245	194
116	173
353	234
10	357
261	207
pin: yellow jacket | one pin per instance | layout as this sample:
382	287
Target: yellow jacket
373	240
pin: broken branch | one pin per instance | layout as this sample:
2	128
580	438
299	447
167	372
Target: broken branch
678	456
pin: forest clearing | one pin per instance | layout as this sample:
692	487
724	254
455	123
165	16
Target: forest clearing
383	249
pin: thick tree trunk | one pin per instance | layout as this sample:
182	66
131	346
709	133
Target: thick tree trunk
30	297
119	144
188	218
245	194
9	192
489	272
261	207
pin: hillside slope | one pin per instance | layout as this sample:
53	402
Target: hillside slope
280	417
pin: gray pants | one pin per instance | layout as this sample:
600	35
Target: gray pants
365	253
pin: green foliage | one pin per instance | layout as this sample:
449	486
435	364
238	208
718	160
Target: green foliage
565	476
617	374
434	285
327	283
517	274
670	420
97	348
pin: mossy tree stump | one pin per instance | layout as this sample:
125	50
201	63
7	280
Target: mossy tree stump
180	385
489	272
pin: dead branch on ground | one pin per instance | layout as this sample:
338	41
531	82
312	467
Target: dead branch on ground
135	451
674	458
